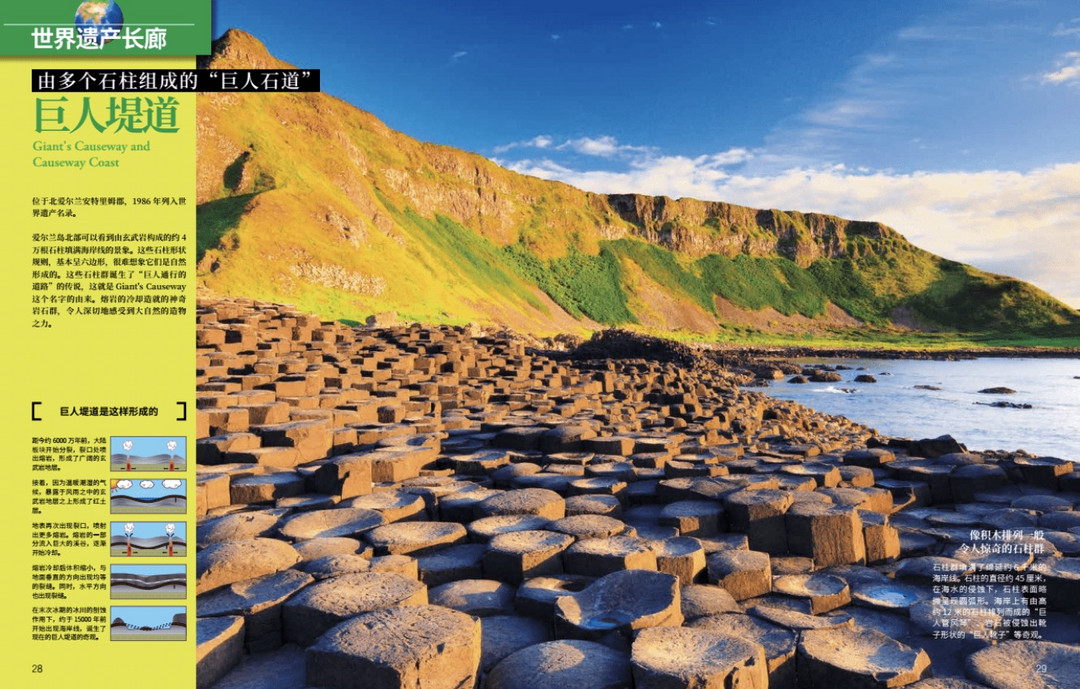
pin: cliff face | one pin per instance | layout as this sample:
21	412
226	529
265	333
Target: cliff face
698	228
305	198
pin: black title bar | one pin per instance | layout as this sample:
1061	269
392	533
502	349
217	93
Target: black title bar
175	80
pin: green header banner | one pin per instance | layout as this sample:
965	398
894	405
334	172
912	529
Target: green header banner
42	28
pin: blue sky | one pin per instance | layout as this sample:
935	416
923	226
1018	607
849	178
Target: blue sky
147	445
149	488
954	121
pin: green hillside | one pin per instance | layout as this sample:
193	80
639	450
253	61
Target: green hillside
306	199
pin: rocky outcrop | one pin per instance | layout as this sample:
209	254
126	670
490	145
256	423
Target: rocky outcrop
664	527
699	228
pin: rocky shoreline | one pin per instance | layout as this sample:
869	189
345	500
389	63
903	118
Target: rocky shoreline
880	353
449	507
747	355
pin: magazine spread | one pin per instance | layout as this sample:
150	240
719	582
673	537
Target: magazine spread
301	400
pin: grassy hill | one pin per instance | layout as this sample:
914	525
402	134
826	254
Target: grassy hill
307	199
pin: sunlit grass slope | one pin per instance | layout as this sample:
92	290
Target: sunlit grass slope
306	199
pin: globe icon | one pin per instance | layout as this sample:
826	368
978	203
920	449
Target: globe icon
95	16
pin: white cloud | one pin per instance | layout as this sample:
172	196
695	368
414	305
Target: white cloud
540	141
555	36
732	156
602	146
1016	223
1067	72
1063	30
657	25
1020	223
459	54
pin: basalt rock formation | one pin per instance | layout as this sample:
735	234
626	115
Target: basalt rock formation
450	507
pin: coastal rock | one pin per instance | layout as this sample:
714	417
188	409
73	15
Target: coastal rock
519	555
339	522
1026	665
232	561
562	664
869	457
336	565
935	447
528	501
503	635
602	556
760	515
420	646
700	600
969	480
1062	576
237	527
477	597
259	602
680	472
393	505
777	642
319	607
315	548
742	573
830	658
536	596
823	592
1044	471
682	657
219	648
620	602
830	534
414	538
786	617
487	528
464	561
825	377
693	517
584	526
683	557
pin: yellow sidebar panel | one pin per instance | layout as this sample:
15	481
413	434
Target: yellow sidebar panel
98	218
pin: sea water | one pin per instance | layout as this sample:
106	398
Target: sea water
896	407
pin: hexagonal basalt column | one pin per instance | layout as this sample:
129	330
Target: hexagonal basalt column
830	534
